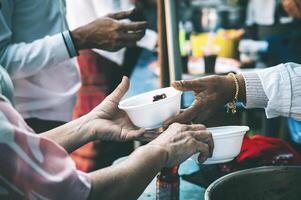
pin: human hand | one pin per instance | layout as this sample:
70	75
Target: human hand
292	7
109	33
182	141
108	122
211	93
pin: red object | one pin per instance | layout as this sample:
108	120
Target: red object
263	151
168	184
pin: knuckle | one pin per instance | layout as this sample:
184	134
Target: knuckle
203	126
184	128
175	125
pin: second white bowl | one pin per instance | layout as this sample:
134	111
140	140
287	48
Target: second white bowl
227	143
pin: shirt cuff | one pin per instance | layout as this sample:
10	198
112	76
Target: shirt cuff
255	95
69	44
276	82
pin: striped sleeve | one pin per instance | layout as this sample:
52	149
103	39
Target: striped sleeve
33	167
277	89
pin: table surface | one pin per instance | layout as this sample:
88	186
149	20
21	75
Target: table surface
187	190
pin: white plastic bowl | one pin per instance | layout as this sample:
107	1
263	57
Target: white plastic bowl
145	113
227	143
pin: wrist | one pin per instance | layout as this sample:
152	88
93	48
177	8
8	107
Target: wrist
78	39
159	151
228	88
85	128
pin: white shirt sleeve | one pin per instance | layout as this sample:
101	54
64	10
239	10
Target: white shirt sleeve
26	59
277	89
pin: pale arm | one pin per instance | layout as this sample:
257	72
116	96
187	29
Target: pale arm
71	135
128	179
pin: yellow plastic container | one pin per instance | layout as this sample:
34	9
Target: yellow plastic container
227	40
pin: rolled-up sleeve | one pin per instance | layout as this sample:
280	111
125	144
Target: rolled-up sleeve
277	89
26	59
33	167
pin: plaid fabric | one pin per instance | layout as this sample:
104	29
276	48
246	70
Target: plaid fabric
99	77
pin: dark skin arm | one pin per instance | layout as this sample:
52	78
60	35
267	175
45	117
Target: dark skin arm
109	33
211	94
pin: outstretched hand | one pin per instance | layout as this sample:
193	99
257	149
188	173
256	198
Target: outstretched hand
211	93
108	122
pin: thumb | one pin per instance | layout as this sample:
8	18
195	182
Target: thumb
122	14
186	85
120	91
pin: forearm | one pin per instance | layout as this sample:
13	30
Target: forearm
71	135
26	59
128	179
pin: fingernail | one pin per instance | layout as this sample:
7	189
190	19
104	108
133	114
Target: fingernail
202	158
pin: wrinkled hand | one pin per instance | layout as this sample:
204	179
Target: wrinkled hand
108	122
109	33
292	7
211	93
182	141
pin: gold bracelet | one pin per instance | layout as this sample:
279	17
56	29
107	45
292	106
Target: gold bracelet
231	106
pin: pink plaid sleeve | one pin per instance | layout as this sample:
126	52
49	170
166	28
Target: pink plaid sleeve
33	167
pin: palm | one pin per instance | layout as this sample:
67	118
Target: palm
117	123
114	122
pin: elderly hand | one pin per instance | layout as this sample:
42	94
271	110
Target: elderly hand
109	33
182	141
292	7
108	122
211	93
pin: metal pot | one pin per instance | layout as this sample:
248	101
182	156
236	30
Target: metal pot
263	183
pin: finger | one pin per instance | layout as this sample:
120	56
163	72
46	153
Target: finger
195	127
205	137
135	134
127	44
122	15
189	85
134	26
132	37
183	118
148	136
203	148
120	91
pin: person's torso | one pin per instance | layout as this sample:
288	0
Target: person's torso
34	19
50	92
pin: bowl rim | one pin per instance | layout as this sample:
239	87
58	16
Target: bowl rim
229	133
135	107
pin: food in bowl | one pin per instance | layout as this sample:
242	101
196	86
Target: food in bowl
159	97
149	114
227	143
